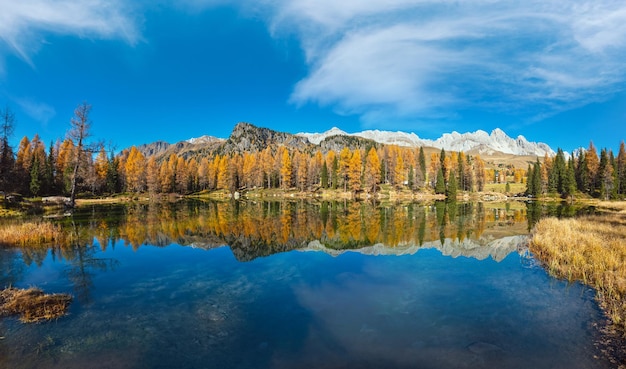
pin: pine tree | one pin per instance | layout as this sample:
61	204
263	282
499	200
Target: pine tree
440	184
7	161
529	180
569	182
50	187
537	180
452	187
112	177
422	166
621	169
324	175
605	175
442	163
335	173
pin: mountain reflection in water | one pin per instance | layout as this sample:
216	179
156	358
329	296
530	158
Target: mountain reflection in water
255	229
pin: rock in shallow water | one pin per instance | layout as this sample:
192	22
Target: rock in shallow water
481	348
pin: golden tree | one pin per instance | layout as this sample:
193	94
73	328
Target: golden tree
135	170
152	176
372	170
285	168
354	171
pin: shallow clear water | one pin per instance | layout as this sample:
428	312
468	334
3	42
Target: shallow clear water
185	307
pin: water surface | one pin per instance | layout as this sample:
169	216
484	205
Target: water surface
297	285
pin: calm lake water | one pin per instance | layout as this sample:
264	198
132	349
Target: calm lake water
301	285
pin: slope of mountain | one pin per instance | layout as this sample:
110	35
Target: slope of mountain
249	138
480	141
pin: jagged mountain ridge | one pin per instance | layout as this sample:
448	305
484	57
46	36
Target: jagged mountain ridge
479	141
246	137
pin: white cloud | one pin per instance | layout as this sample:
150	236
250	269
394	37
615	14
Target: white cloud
412	58
39	111
24	23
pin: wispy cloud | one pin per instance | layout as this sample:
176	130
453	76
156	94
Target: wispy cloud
412	58
25	23
39	111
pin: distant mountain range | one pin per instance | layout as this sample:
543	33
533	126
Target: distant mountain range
246	137
477	142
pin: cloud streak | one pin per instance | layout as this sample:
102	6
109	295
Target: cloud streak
408	59
24	24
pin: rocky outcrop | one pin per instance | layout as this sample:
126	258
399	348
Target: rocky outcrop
249	138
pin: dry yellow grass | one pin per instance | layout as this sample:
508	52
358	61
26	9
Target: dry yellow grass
32	305
617	206
29	233
589	249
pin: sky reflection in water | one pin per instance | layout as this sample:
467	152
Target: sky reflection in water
188	307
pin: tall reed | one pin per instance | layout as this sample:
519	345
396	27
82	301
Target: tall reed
30	234
590	249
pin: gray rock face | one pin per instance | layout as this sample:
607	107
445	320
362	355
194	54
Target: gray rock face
248	138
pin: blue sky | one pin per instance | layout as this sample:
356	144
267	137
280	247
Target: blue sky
552	71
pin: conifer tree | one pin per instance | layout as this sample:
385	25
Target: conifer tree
440	184
452	187
592	163
422	166
7	161
80	127
335	173
621	169
372	170
537	187
480	175
569	183
605	175
354	171
529	180
324	175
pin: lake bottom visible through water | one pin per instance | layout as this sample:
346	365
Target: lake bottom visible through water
183	307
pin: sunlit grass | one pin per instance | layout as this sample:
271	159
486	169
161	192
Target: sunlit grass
591	250
501	187
30	234
619	206
32	305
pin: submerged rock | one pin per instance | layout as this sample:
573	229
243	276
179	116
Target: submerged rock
481	348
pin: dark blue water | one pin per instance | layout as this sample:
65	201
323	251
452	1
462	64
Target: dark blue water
183	307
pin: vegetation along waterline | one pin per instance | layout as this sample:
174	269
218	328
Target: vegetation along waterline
32	304
590	249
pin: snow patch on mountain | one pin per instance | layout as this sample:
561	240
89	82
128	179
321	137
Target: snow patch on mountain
480	141
204	140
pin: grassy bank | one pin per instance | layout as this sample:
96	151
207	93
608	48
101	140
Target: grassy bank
592	250
30	233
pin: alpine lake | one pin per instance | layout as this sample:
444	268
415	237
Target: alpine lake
302	284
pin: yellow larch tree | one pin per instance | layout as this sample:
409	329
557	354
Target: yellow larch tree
285	168
135	170
354	171
152	176
371	174
101	166
344	163
203	174
222	172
